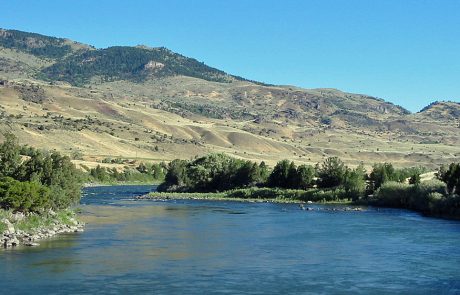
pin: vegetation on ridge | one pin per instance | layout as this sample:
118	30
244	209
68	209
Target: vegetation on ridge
129	63
36	44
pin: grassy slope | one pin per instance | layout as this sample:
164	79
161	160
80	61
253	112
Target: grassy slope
116	123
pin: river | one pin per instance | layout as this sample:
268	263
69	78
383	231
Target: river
214	247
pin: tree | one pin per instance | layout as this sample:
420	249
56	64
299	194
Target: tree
10	158
157	172
305	176
331	173
176	174
451	177
142	168
246	174
292	178
264	173
99	173
59	174
355	182
280	174
382	173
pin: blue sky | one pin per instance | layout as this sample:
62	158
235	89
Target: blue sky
405	51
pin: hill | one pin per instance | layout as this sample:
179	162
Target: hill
442	110
152	104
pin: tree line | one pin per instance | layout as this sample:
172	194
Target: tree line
144	172
219	172
330	180
127	63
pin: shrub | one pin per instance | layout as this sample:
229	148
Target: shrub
45	180
24	196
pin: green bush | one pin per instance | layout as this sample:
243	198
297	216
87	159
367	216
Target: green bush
44	180
24	196
426	197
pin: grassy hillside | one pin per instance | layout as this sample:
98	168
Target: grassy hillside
442	111
152	104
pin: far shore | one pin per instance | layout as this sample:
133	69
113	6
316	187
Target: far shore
102	184
223	197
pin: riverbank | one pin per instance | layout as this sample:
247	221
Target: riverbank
132	183
18	229
426	198
272	195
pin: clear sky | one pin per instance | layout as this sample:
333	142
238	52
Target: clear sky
405	51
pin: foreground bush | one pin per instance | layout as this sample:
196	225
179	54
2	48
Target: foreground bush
23	196
45	180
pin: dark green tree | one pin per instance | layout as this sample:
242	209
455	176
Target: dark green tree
292	178
451	177
100	173
10	158
264	172
305	176
331	173
355	182
382	173
177	173
56	172
280	174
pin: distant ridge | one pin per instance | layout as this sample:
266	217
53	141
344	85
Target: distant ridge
77	65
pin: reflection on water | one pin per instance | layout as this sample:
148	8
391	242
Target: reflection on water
195	247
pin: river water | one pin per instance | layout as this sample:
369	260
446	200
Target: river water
213	247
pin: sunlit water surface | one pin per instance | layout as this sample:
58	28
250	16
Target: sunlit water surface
205	247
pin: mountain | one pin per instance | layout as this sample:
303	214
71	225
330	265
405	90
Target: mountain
129	63
154	104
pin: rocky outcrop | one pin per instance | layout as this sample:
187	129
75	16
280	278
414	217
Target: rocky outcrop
13	237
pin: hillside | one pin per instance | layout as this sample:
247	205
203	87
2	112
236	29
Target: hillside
153	104
442	111
128	63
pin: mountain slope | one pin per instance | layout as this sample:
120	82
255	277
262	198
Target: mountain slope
38	45
442	110
129	63
154	104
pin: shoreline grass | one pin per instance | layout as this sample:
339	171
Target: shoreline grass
32	222
273	195
119	183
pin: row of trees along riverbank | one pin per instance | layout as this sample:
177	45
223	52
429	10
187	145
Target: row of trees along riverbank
329	181
143	173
